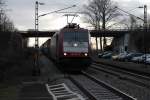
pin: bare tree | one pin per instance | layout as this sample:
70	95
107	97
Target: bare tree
100	14
133	22
5	23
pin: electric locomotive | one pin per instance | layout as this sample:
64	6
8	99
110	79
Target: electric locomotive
70	47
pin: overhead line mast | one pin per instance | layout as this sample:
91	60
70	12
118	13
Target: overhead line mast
37	18
36	55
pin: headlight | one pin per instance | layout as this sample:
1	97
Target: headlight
65	54
85	54
75	44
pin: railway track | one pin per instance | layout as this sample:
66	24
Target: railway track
95	89
135	78
144	73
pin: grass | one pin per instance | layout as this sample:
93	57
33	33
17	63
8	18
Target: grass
15	75
8	92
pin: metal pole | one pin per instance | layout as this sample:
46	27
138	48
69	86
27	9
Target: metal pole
145	17
67	20
36	24
0	20
36	54
145	31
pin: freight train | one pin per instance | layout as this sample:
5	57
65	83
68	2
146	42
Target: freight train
70	48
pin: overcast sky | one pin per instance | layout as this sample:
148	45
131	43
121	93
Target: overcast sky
23	11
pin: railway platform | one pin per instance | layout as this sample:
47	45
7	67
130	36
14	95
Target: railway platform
34	91
34	87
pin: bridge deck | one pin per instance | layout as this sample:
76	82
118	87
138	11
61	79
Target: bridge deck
93	33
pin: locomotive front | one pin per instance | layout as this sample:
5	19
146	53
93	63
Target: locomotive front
75	46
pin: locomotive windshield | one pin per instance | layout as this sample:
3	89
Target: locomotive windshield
76	36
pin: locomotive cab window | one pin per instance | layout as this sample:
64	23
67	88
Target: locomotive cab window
76	36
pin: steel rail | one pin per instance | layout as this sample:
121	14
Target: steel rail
111	88
84	90
116	73
123	70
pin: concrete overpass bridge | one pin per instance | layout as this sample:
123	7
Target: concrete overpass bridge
93	33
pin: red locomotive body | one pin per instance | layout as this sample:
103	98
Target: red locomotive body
70	47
